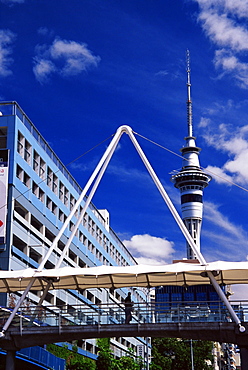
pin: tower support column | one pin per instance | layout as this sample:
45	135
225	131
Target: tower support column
10	360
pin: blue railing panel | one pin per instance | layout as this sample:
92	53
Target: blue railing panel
43	357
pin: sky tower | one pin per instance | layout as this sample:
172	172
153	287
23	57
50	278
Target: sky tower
191	180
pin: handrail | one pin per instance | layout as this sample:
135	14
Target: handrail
114	313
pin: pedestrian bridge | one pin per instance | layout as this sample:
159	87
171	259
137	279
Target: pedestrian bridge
190	320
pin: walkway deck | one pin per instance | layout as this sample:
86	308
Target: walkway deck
189	320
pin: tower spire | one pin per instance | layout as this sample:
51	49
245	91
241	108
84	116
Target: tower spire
189	101
191	180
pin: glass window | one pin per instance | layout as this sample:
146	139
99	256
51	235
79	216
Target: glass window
3	137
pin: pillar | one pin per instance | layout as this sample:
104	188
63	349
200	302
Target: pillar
10	360
244	358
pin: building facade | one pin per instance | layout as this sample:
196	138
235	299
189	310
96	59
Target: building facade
37	195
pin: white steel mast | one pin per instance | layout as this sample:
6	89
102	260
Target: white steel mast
191	180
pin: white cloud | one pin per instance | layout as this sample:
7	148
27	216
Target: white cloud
6	39
204	122
234	142
219	175
64	57
225	24
42	69
212	213
237	7
162	73
150	249
222	237
223	31
217	108
149	261
230	64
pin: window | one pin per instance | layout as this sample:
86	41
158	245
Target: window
41	195
35	189
3	137
81	263
34	255
49	203
19	172
72	201
49	265
19	244
66	197
55	184
20	144
36	162
35	223
61	191
52	180
186	198
61	216
21	210
85	220
42	169
49	235
54	208
49	298
61	245
26	180
38	165
27	152
49	177
83	238
72	256
90	296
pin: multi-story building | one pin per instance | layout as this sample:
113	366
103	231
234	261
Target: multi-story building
37	194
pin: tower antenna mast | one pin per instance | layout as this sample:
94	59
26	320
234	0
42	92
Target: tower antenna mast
191	180
189	101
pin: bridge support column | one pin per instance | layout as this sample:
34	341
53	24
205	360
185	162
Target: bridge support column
244	358
10	360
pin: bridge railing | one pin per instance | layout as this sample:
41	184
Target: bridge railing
114	313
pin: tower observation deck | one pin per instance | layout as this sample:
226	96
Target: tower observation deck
191	179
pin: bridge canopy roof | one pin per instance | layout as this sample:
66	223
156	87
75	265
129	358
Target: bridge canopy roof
181	274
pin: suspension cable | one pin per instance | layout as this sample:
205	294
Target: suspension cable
202	168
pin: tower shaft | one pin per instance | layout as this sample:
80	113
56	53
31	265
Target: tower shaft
191	180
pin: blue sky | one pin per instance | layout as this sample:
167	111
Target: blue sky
80	69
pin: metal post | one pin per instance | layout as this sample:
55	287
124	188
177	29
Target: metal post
147	354
21	322
59	320
10	360
192	355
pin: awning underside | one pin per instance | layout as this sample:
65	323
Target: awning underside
181	274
